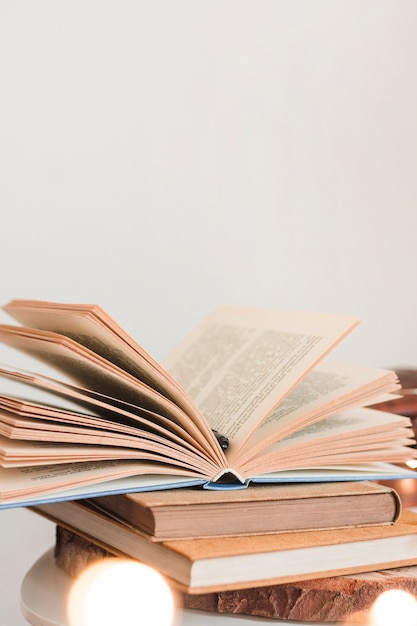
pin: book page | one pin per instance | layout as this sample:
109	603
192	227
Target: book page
42	441
55	405
90	326
328	389
74	480
96	373
241	362
355	436
14	453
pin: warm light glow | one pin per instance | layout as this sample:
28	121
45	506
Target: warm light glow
412	463
119	592
394	607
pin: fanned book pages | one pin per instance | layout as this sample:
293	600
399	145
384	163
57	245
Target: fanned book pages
114	420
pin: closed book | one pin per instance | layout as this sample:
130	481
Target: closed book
260	509
221	563
333	599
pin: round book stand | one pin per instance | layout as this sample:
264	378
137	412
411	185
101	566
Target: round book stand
45	588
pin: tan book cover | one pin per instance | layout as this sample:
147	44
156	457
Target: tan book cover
202	565
259	509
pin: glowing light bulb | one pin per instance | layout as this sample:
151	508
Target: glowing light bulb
394	607
120	592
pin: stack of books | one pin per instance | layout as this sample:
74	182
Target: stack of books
247	459
325	596
283	550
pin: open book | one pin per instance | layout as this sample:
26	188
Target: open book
117	421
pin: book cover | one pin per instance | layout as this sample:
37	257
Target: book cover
260	509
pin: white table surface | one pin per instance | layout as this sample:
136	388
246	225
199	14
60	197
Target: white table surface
24	537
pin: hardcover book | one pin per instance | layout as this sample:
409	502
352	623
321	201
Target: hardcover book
257	382
261	509
221	563
332	599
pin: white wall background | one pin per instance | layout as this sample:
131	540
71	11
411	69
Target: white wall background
163	157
